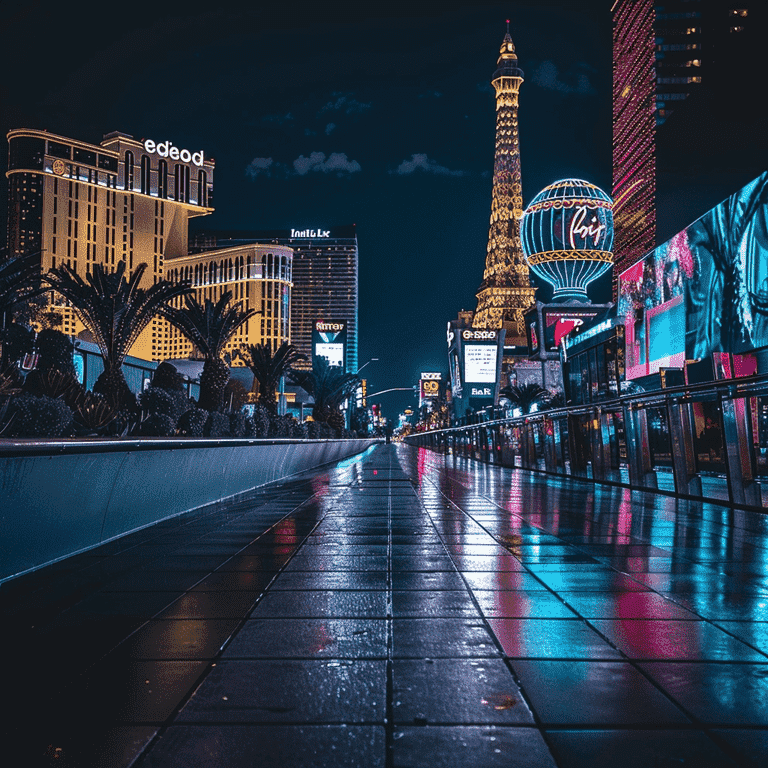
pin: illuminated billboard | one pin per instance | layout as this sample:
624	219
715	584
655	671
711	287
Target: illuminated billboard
703	291
329	340
481	352
429	386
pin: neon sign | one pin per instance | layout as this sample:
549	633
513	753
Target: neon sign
167	149
578	228
310	233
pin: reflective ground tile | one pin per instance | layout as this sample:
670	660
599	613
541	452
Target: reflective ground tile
469	747
330	562
636	749
751	745
550	638
433	604
512	580
178	639
210	605
120	690
488	563
247	746
441	638
322	603
729	606
462	691
669	639
594	693
716	693
331	580
522	604
309	638
751	632
428	581
625	605
418	561
341	691
589	581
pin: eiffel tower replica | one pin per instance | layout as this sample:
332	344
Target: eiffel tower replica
505	293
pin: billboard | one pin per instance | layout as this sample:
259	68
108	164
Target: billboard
429	387
703	291
482	352
329	340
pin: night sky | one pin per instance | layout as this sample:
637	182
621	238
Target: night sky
321	115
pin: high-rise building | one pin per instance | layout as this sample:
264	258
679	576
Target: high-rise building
697	60
84	204
325	279
634	132
505	293
258	276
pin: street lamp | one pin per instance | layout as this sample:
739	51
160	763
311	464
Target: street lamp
372	360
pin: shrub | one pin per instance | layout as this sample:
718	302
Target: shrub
55	351
167	377
237	424
157	425
192	422
261	421
319	431
32	416
217	425
157	400
17	342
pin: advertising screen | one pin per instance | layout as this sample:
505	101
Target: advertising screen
333	353
480	363
559	323
329	340
711	280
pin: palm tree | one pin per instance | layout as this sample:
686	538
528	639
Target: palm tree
269	368
19	282
330	386
209	328
115	310
525	396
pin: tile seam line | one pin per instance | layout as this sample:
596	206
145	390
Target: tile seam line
169	721
635	664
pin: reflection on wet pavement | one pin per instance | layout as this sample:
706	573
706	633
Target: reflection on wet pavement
404	609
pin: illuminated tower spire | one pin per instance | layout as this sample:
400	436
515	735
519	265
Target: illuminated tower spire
506	290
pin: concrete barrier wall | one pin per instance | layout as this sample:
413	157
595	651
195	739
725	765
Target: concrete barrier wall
62	497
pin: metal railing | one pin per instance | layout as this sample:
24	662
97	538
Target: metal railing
701	441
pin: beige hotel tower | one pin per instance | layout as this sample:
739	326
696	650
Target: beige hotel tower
83	204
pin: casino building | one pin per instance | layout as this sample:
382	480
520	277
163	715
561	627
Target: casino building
325	279
85	204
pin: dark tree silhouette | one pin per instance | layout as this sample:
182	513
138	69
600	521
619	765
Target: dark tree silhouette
525	396
115	311
268	368
209	328
330	386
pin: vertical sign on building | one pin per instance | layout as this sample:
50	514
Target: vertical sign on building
329	340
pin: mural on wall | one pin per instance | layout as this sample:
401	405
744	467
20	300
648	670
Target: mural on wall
719	266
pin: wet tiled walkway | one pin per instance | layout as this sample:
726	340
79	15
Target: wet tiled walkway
404	609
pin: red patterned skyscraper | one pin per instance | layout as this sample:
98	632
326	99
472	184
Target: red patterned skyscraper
505	293
634	133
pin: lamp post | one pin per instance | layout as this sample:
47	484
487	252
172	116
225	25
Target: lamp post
372	360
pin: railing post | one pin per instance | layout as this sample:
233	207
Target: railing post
687	479
548	437
742	488
638	448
